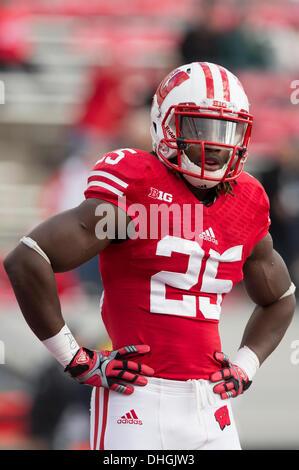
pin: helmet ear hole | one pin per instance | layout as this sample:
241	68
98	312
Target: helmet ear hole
155	127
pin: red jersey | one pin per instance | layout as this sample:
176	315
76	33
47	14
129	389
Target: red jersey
165	287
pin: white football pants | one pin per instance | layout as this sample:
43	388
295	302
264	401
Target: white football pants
165	414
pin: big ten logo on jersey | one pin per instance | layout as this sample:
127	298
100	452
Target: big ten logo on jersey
162	196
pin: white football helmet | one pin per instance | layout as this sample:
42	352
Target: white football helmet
205	104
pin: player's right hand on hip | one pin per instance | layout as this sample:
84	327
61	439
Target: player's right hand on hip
110	369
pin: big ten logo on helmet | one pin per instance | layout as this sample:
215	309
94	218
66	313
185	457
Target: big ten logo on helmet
156	194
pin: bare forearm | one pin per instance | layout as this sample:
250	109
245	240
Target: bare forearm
267	326
68	240
35	288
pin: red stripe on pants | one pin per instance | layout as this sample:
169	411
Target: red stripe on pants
104	420
96	417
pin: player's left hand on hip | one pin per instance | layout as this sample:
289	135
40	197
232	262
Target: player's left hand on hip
231	379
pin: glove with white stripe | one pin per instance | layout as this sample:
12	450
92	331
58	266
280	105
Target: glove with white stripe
109	368
232	379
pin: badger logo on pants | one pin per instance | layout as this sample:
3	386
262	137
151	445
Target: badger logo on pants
222	417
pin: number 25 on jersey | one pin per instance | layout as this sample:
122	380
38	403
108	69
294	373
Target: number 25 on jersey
187	306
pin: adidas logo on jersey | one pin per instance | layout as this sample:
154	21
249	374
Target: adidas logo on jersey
209	236
130	418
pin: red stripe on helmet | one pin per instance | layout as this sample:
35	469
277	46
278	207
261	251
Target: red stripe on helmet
209	79
225	83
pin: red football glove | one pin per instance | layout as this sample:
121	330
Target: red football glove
233	381
106	369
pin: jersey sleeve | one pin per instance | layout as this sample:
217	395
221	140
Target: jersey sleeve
115	178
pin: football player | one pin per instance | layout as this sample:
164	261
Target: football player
166	384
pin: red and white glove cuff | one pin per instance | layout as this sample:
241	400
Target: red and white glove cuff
247	360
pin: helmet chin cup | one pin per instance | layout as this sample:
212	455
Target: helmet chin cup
198	181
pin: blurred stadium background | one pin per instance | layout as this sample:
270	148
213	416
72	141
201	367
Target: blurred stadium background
78	79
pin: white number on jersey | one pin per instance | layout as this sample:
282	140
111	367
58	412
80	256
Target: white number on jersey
210	284
120	155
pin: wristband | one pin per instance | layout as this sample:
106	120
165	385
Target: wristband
63	346
248	361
